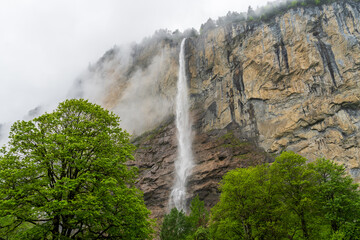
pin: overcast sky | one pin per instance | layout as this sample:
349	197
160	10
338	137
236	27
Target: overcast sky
46	44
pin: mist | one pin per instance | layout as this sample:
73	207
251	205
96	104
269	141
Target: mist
142	106
120	84
46	46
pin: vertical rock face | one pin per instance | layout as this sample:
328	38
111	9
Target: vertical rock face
256	89
292	84
215	153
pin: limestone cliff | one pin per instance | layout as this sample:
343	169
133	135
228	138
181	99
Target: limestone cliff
292	84
256	89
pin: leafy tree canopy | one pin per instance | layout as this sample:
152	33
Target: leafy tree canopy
291	199
63	176
176	226
179	226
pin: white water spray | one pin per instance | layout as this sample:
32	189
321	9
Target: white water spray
184	161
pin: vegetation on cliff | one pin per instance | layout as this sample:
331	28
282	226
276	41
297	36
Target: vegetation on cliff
63	176
271	10
265	13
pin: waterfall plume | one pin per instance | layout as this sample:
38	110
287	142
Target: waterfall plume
184	160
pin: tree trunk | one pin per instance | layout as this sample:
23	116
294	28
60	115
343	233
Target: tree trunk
303	225
56	224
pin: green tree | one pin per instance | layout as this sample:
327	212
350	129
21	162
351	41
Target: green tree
291	199
63	176
176	226
250	13
246	209
201	233
338	198
198	216
295	187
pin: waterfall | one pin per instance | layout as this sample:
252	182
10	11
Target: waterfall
184	160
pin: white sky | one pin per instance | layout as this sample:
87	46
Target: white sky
46	44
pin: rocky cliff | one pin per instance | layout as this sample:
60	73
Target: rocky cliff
292	84
257	88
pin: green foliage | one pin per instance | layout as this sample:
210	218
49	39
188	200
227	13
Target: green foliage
250	14
291	199
274	8
202	233
268	12
244	192
295	187
231	141
338	198
294	4
231	17
176	226
251	18
63	176
198	216
210	24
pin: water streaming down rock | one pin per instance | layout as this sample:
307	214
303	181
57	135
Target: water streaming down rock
184	161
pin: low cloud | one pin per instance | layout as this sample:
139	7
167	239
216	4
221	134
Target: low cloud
136	94
143	104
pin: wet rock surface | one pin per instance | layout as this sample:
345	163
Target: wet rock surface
215	153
